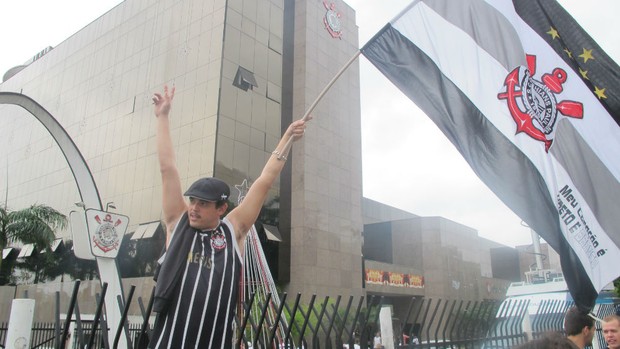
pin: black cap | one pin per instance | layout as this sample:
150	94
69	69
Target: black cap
209	189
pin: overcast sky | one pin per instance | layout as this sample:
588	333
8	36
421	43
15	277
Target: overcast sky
408	163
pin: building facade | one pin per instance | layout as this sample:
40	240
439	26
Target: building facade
243	70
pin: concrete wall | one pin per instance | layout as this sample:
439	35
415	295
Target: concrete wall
326	198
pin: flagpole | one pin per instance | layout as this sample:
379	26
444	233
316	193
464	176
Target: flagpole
287	147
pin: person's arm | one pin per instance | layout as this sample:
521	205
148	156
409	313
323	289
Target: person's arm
173	204
244	215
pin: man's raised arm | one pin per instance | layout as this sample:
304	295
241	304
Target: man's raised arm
244	215
173	204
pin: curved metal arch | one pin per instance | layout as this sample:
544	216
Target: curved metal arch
83	177
108	269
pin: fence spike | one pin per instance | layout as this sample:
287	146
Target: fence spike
72	303
100	299
122	323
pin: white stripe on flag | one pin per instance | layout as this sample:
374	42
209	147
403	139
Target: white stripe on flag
480	76
597	128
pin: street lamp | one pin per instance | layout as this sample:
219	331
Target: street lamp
536	244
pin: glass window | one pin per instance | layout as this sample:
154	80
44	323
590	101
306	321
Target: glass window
232	44
244	79
228	98
241	158
257	139
244	107
274	92
227	127
273	119
262	16
276	20
242	133
275	67
261	61
275	43
225	151
257	162
246	51
259	107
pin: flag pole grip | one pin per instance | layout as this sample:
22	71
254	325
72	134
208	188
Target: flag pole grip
287	147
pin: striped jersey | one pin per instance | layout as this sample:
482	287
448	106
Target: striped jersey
202	309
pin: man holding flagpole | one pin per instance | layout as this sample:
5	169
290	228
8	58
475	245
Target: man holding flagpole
198	279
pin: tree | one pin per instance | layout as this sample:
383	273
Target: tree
33	225
49	266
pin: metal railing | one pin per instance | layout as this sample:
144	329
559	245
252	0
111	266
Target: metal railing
328	323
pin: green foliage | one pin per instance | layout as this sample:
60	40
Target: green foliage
340	321
66	263
41	267
33	225
617	287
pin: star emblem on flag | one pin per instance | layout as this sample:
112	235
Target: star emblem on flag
586	55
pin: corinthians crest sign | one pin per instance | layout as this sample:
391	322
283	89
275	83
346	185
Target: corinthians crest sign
105	232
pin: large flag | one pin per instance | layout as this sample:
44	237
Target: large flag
531	102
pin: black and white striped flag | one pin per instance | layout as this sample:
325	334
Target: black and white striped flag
531	102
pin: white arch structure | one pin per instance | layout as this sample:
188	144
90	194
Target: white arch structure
108	269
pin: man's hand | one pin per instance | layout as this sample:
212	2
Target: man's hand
297	128
163	103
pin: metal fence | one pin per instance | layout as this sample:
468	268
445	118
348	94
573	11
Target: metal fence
330	323
3	329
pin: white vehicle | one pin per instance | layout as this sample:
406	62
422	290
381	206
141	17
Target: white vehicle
539	304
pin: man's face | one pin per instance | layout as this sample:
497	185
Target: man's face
203	214
611	332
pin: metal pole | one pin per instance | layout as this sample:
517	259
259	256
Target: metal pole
284	152
537	252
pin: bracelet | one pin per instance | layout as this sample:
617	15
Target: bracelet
279	155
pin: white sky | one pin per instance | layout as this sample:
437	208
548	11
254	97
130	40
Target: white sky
413	168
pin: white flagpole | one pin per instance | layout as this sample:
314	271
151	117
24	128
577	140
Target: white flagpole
287	146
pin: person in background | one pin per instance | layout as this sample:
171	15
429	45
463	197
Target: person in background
611	331
579	327
552	340
405	338
377	341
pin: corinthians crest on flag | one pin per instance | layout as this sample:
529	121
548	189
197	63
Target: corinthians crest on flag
531	102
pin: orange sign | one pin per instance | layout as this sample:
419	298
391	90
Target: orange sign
381	277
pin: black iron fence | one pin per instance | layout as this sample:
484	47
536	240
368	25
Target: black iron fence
328	323
3	329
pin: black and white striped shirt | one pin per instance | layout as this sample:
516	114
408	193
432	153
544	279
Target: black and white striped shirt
203	307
